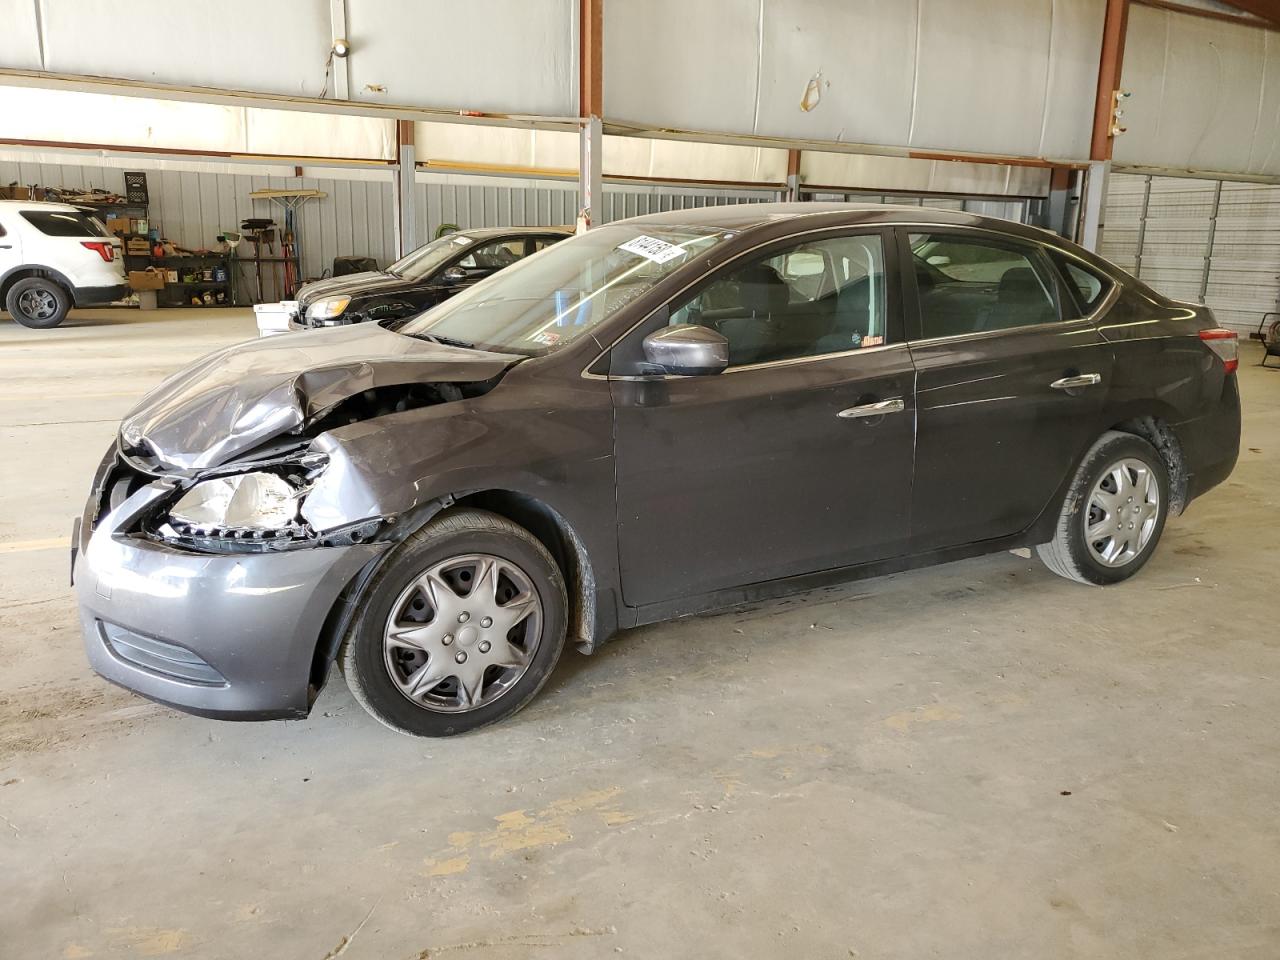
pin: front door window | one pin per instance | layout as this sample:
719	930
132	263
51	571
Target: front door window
815	298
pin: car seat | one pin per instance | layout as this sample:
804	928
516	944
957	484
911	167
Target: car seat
1020	301
764	296
852	319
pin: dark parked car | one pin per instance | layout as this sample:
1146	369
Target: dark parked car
432	273
662	416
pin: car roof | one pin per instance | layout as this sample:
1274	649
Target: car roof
38	205
745	216
483	233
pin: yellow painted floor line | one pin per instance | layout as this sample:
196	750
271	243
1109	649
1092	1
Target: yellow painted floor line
27	546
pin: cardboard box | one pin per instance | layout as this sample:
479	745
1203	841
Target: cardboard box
146	279
118	224
139	226
171	276
137	247
15	193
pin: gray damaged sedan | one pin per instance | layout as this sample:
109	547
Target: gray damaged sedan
660	417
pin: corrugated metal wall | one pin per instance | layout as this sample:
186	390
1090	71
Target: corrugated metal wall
1244	282
1216	242
480	202
191	207
354	218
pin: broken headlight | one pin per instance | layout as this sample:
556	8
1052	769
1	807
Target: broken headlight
246	501
260	507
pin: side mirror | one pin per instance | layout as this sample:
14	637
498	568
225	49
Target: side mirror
454	274
686	350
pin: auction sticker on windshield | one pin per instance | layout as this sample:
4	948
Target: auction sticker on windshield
651	248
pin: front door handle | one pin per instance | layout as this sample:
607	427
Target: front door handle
873	409
1083	380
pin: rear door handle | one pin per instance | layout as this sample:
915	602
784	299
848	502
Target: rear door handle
873	409
1083	380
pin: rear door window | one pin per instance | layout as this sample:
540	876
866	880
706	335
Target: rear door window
59	223
975	283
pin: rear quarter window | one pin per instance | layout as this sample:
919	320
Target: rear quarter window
61	223
1088	286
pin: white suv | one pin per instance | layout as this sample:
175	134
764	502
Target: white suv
54	257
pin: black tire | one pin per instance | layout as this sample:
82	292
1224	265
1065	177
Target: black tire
38	303
1069	554
452	534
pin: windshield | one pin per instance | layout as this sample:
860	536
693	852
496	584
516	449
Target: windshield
554	297
427	259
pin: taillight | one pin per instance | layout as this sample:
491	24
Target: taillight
1226	344
103	248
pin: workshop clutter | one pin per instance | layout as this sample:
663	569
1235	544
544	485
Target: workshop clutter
149	279
251	259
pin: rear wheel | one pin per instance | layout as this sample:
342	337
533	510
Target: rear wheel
38	302
461	628
1113	514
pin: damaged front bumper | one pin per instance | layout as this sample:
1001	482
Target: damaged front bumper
232	636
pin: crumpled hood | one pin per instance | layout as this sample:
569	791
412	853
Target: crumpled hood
235	399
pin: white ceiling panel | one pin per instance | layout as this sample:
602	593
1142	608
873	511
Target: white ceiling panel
687	64
557	152
1206	94
19	35
121	122
1074	52
865	50
1011	76
276	47
508	56
891	174
988	76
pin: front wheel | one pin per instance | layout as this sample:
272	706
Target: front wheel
37	302
461	627
1113	514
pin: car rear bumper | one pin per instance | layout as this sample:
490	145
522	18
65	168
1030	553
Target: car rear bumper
1211	444
87	296
231	636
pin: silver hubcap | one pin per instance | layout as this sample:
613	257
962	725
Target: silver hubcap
37	304
463	633
1123	509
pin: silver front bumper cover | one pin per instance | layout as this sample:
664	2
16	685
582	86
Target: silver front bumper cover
232	636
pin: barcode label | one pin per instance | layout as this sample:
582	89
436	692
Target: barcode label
651	248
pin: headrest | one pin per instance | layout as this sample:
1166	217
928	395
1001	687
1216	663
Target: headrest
1020	285
762	290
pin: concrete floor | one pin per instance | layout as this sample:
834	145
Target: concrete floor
975	761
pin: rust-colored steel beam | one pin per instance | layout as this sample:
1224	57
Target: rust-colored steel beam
1207	14
1109	68
591	58
1268	10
